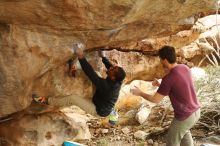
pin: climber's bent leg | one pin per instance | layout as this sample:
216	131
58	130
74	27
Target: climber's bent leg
85	104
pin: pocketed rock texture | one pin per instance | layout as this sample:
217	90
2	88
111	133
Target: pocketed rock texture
36	39
41	125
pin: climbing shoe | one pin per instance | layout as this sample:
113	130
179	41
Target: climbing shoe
113	117
72	68
39	99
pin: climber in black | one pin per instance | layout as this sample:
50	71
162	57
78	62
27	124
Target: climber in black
107	90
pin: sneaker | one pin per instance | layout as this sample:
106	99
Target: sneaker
113	117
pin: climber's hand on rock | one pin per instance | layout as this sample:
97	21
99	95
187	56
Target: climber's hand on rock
80	53
78	49
101	53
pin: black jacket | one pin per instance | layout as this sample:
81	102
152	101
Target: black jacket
107	91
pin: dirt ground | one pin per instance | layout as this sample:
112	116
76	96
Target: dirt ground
155	127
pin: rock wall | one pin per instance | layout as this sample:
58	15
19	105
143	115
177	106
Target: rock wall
43	126
36	37
98	23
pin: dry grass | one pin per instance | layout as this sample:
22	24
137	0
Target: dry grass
208	91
